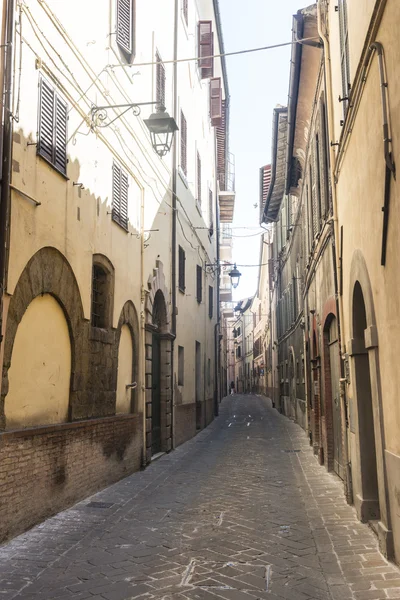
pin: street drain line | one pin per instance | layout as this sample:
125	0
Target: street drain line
267	577
187	575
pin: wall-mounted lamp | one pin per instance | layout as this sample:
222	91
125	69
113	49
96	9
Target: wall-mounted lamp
161	126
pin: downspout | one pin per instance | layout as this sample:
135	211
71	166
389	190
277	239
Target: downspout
6	153
174	217
142	355
217	344
337	266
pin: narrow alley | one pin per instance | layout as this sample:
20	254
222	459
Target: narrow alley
241	511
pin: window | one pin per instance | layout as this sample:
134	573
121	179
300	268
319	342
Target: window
198	178
185	10
120	186
182	259
99	296
205	49
216	102
160	81
126	26
52	138
183	144
181	365
210	301
238	331
211	212
344	53
238	352
209	371
199	283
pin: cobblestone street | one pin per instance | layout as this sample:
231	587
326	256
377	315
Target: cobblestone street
242	511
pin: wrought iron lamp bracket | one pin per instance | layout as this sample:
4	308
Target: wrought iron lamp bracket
99	114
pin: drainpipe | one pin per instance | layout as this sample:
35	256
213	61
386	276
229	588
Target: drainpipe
6	153
142	355
337	266
174	209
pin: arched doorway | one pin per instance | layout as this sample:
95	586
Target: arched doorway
125	371
159	324
40	370
330	400
315	395
366	433
292	385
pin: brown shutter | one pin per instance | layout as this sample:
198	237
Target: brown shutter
120	197
183	144
185	9
211	212
160	81
199	283
206	49
216	102
222	150
198	178
182	259
60	135
46	121
125	10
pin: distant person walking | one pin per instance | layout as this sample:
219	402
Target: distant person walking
232	388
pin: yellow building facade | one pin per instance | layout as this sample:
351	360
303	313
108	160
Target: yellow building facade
110	248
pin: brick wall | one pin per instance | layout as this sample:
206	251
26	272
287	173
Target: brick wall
45	469
185	422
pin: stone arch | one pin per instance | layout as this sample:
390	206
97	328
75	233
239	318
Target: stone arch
159	349
47	272
364	352
129	317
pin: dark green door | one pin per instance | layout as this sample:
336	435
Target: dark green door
155	399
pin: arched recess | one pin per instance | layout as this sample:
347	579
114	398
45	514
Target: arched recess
315	392
369	467
102	304
127	342
40	371
47	272
292	384
159	349
331	415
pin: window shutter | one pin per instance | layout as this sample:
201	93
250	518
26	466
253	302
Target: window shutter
199	282
216	101
46	121
182	259
314	198
185	9
206	49
60	150
211	212
120	197
198	178
324	166
160	81
183	144
125	10
344	52
210	301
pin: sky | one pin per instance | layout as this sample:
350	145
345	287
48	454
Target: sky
257	83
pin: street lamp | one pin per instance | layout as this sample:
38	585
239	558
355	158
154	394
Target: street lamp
162	129
161	126
235	276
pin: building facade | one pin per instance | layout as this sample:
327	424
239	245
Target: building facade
106	245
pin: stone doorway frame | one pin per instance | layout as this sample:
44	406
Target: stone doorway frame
158	320
359	274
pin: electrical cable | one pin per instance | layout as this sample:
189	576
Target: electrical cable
197	58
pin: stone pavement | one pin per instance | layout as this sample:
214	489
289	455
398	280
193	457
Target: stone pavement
242	511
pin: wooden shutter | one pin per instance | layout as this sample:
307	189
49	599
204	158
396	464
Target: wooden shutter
182	259
211	212
52	142
183	144
185	9
120	197
210	301
198	178
199	283
125	12
216	101
60	135
344	52
314	194
160	81
206	49
46	121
